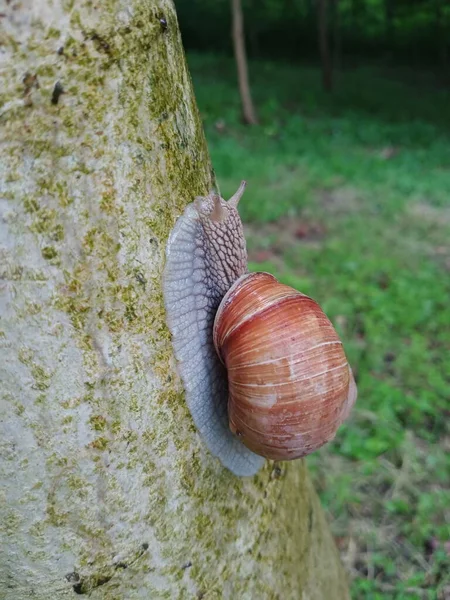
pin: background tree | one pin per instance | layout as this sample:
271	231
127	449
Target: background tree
441	25
106	488
324	47
248	110
337	36
404	32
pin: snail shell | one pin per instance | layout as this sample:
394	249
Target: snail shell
290	385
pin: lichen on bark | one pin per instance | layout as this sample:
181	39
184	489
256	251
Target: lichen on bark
107	488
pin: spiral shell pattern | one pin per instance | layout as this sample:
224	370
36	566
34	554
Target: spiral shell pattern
290	385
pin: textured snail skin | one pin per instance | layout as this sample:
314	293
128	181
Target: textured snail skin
290	385
205	255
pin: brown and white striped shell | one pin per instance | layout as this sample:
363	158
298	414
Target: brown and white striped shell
290	385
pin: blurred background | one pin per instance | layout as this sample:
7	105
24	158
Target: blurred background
348	200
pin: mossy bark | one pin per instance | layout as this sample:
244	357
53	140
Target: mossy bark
107	489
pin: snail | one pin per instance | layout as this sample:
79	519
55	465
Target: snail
264	371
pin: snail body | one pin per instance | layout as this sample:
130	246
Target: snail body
264	371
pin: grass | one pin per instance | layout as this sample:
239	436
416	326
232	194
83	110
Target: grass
348	200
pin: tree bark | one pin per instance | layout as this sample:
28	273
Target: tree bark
322	22
389	28
248	110
441	29
337	36
389	22
107	489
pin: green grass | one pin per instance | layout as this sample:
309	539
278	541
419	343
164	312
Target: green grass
349	201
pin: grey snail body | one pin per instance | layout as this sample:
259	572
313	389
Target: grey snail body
264	372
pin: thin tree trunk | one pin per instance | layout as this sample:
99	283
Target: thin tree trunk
389	27
337	36
107	490
441	33
248	110
322	22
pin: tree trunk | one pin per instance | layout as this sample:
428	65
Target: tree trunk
248	110
389	27
441	33
107	489
337	37
322	22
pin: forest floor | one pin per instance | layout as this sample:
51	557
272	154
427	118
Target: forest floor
348	200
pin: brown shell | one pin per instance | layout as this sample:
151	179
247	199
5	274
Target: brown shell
290	385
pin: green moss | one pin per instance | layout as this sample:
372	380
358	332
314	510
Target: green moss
115	427
42	147
56	517
61	191
102	242
49	253
41	377
40	399
70	124
98	422
25	355
107	570
31	204
32	308
12	176
71	299
52	33
107	201
101	443
45	70
89	240
78	485
20	409
11	522
57	233
45	222
57	460
181	153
